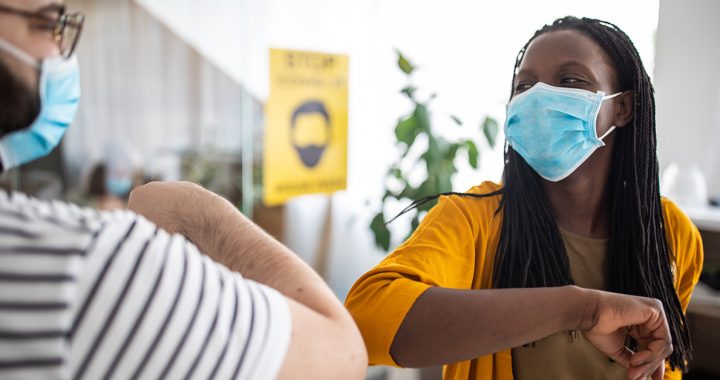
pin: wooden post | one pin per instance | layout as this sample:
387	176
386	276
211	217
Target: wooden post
322	253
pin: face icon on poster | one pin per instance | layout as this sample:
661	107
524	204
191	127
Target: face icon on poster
310	132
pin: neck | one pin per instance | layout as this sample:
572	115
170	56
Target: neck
580	204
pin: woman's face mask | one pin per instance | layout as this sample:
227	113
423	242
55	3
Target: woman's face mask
59	92
553	128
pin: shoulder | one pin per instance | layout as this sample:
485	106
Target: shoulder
29	209
31	222
678	226
485	187
34	219
473	210
482	200
683	238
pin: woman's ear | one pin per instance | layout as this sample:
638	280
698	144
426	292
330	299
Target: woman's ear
625	107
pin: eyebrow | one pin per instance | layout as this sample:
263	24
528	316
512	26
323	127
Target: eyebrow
53	5
566	65
573	63
526	72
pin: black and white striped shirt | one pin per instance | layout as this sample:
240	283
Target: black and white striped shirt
90	295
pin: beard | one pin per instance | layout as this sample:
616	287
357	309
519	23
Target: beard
19	105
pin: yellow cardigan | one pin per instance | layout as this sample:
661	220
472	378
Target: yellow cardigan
454	247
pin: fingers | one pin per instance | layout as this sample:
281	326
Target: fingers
645	363
623	357
644	371
655	346
659	373
643	319
651	360
641	358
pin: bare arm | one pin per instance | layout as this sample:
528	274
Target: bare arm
450	325
325	341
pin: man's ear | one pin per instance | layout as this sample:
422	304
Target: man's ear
625	106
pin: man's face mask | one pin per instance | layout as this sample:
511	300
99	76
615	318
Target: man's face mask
59	97
553	128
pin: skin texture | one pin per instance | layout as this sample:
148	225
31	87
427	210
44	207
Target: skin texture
449	325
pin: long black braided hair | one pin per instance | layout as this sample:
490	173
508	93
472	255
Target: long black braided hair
531	252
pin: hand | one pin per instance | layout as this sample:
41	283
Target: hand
615	316
177	207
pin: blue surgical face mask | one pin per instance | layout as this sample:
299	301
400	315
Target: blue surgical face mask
553	128
118	186
59	90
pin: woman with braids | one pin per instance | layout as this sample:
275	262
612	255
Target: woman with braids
521	280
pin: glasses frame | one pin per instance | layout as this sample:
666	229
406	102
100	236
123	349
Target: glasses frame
59	25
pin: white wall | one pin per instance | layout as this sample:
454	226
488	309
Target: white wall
466	50
687	84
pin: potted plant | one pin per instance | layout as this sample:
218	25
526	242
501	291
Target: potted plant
438	155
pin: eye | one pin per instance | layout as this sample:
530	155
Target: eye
43	23
46	26
46	19
572	81
522	86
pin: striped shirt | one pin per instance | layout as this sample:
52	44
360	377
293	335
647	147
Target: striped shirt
91	295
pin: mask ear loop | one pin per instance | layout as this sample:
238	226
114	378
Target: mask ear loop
19	53
613	95
612	127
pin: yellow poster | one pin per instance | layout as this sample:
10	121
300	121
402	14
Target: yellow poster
306	125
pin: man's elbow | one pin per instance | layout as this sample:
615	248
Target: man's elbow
324	347
357	357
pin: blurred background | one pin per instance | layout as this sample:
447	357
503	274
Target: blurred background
183	89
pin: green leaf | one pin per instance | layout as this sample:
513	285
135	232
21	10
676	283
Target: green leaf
409	192
395	172
404	64
427	187
432	155
407	130
473	153
444	181
409	91
422	116
490	129
456	120
388	194
427	206
451	151
381	232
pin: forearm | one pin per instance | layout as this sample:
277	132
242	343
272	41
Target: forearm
449	325
231	239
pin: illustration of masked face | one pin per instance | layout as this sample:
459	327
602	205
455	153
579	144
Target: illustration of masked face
310	132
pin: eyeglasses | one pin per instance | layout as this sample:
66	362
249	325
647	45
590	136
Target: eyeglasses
65	27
